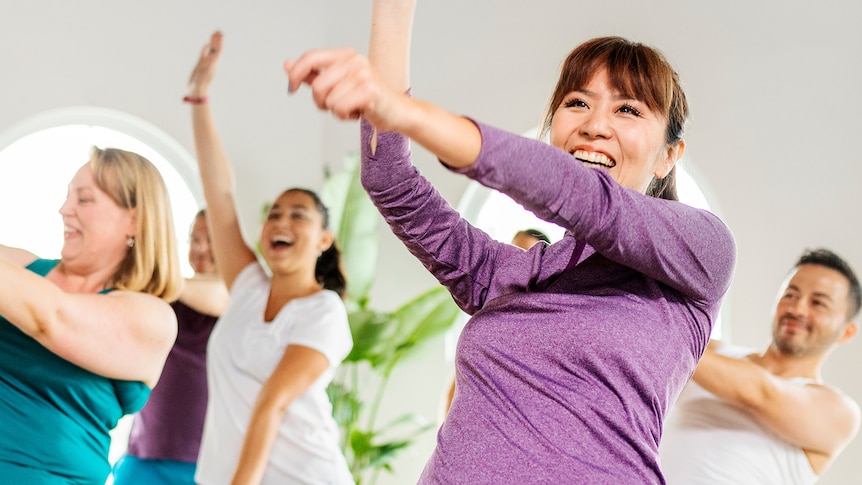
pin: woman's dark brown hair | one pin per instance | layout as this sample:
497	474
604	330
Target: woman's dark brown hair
637	71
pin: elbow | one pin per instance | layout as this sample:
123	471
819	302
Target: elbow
45	324
273	402
756	398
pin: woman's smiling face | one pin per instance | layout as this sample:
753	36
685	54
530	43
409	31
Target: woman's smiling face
605	129
96	228
293	235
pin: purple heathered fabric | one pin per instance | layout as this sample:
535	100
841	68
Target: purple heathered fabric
169	427
563	376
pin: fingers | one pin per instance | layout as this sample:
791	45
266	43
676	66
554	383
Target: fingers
338	80
215	42
351	95
343	83
308	67
344	73
204	71
212	50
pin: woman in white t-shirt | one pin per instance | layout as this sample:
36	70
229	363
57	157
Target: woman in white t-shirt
276	347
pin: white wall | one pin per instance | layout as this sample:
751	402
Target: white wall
774	87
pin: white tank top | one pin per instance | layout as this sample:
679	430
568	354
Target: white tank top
707	441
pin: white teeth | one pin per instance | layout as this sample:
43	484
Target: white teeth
595	158
283	239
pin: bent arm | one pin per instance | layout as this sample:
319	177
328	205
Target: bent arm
814	417
16	256
688	249
298	369
231	252
121	335
463	258
389	48
697	260
450	137
205	294
400	193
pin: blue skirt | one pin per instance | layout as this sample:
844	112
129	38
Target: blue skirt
131	470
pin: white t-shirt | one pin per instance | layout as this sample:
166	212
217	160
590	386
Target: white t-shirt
243	352
707	441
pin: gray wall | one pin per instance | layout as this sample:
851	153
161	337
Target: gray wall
774	136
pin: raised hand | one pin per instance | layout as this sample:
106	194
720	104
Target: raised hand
204	72
343	83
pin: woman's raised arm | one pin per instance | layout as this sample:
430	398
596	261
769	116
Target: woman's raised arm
232	254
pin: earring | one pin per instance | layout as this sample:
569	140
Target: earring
130	241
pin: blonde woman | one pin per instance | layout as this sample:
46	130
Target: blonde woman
83	338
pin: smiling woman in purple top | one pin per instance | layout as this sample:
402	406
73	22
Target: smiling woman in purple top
576	350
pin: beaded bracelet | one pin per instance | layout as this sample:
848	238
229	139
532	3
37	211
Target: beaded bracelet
194	100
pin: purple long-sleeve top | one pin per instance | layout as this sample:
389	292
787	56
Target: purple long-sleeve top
575	351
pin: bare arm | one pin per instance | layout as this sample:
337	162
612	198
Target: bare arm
452	138
814	417
206	294
121	335
389	48
232	254
344	83
296	372
16	256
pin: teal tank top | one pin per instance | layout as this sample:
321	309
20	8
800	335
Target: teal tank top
55	416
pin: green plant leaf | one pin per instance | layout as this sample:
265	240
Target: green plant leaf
415	322
354	221
333	193
346	404
415	421
367	328
372	450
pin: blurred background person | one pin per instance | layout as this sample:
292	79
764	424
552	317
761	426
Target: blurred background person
762	418
166	434
525	239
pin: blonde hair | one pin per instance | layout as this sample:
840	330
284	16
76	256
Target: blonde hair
152	264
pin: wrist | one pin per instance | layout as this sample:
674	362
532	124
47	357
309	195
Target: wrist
191	99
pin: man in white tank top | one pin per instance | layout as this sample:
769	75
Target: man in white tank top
768	418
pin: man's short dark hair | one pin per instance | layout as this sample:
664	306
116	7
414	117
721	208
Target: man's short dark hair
541	236
828	259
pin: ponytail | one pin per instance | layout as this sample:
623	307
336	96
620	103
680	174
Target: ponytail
328	271
664	188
